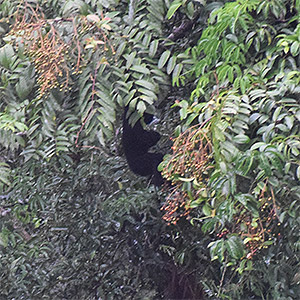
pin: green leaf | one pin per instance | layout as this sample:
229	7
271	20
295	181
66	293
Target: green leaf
148	93
5	173
298	172
129	59
23	88
20	126
163	59
176	73
141	107
276	113
146	84
241	139
140	69
173	7
171	65
260	145
295	48
217	249
235	247
206	209
153	48
7	56
121	49
208	225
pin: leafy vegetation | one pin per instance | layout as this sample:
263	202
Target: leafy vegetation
249	173
223	76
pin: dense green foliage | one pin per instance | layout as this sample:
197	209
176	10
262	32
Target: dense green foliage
247	103
223	76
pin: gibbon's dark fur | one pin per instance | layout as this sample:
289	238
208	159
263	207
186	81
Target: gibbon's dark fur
136	143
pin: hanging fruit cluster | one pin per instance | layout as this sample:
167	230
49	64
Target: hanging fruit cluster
41	41
187	170
259	230
259	233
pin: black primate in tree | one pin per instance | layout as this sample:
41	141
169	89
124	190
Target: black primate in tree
136	143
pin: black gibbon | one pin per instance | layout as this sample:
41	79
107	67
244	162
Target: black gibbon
136	144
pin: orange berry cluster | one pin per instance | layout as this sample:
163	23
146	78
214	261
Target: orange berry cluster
175	207
223	233
47	50
259	231
191	154
189	162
